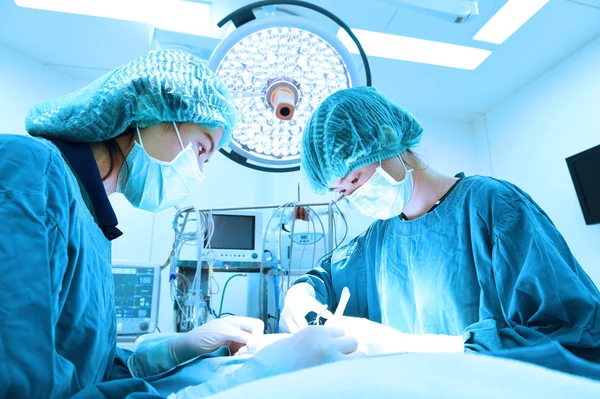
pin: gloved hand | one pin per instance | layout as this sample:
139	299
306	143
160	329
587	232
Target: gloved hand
310	347
259	342
313	346
233	332
299	301
377	339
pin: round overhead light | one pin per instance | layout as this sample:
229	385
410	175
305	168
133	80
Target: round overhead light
278	69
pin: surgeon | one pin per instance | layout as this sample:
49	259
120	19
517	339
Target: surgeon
144	130
473	259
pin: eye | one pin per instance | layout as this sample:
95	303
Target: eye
201	150
355	180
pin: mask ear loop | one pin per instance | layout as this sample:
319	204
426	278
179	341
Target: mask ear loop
178	135
406	170
137	129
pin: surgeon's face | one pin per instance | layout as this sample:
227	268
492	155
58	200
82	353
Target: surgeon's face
354	180
161	141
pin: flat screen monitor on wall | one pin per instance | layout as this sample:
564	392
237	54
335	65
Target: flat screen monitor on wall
585	172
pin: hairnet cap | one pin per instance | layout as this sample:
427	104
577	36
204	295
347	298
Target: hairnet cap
353	128
162	86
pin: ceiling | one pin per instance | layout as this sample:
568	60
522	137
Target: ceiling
86	47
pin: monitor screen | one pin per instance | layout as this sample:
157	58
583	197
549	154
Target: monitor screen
585	172
133	292
233	232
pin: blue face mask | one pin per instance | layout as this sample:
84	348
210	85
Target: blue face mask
382	197
154	185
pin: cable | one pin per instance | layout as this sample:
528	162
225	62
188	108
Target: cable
334	229
277	302
218	287
187	295
343	239
174	297
314	244
302	255
316	215
345	227
225	289
289	279
261	284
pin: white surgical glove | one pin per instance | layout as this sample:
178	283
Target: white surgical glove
259	342
233	332
310	347
313	346
300	300
376	339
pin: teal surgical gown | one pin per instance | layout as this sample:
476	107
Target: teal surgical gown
486	264
58	333
57	313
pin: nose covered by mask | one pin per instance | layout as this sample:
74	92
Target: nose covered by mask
382	197
154	185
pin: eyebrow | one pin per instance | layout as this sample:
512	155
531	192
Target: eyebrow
343	179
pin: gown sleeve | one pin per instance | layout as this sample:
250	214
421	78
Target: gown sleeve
537	292
33	246
346	267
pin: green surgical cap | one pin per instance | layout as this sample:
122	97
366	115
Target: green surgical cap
353	128
162	86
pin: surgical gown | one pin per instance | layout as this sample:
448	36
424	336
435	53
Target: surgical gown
57	314
57	311
486	264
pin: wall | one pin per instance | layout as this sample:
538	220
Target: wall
23	83
531	133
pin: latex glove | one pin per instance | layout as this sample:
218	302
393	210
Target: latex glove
310	347
376	339
299	301
259	342
233	332
313	346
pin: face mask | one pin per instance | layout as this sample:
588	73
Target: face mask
382	197
154	185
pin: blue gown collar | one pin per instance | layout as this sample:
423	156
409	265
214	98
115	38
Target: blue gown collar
82	161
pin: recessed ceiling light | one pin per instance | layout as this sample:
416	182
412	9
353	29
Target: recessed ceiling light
410	49
508	20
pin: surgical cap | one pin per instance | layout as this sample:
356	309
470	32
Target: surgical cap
353	128
162	86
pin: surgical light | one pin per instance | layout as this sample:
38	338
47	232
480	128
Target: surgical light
279	68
